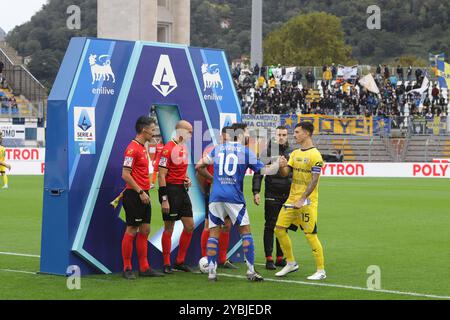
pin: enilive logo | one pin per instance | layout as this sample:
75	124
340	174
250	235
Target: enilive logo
211	80
164	79
101	72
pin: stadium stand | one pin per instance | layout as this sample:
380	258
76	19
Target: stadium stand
260	94
12	105
413	135
421	148
355	148
11	53
25	95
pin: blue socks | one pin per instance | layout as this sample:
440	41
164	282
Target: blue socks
212	246
249	251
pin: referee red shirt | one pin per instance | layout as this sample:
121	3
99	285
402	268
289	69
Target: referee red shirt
209	168
159	149
174	158
136	159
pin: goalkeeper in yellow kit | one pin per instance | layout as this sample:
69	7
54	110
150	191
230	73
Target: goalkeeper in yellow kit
3	164
301	206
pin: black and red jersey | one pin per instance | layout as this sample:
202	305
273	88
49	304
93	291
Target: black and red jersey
175	158
158	150
136	159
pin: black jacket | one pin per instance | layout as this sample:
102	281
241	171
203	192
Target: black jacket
276	186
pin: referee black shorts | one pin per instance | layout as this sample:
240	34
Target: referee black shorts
136	212
179	202
207	194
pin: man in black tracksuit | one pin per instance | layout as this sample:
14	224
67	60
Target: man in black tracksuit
276	193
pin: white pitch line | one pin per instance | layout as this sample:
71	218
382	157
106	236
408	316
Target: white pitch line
301	282
272	280
20	254
345	287
18	271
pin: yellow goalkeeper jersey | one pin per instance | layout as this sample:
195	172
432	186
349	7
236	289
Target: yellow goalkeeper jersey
2	157
304	162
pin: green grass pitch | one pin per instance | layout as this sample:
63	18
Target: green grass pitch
400	225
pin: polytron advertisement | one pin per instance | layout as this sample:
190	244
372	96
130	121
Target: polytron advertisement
102	87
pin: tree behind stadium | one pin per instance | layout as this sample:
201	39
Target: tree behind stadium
312	39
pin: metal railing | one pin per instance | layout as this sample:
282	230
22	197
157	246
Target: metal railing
22	82
317	71
433	146
394	148
370	149
405	149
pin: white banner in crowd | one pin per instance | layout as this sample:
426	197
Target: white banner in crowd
26	161
438	169
257	121
277	73
347	72
289	76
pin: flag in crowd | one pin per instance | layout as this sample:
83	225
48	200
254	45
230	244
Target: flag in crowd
444	75
368	82
440	68
423	88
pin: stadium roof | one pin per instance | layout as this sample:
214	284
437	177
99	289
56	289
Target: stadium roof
2	34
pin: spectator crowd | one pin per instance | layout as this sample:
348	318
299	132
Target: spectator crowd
338	97
8	105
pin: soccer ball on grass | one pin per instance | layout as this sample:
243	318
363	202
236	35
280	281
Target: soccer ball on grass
203	264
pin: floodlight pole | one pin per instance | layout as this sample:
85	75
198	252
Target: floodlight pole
256	55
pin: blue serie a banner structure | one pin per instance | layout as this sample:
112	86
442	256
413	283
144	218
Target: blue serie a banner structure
102	87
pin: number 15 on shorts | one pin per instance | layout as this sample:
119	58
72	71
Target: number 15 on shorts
305	217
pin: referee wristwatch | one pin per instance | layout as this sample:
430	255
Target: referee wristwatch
141	192
164	198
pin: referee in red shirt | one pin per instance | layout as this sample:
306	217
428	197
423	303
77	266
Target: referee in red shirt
173	195
136	199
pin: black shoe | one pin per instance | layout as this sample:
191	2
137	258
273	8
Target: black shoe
255	276
183	267
129	275
227	265
270	265
150	273
167	270
280	263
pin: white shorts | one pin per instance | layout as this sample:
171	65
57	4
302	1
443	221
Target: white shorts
218	211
